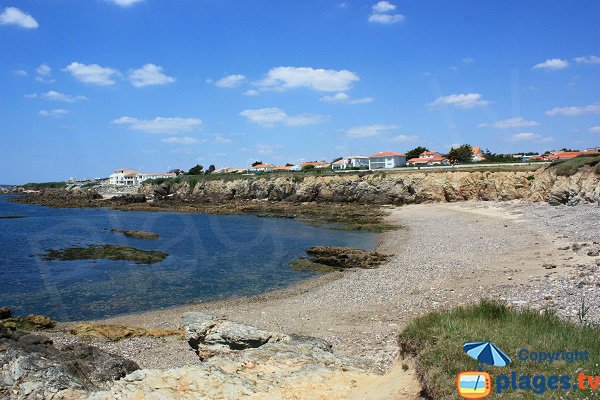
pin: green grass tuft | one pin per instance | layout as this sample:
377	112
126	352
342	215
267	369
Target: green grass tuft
436	340
572	166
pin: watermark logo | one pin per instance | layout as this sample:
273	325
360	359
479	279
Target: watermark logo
474	385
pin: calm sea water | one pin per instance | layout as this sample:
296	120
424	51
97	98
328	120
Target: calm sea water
210	256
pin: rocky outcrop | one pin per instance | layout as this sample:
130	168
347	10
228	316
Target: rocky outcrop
393	188
345	257
32	368
76	197
249	364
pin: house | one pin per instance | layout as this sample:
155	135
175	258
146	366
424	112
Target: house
593	149
477	154
283	168
131	177
227	170
351	162
262	167
386	160
428	158
316	164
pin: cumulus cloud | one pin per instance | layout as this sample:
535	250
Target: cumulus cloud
124	3
92	73
369	130
344	98
58	96
272	116
575	110
20	72
324	80
14	16
43	70
552	64
230	81
462	100
57	112
587	60
468	60
517	122
595	129
160	125
149	74
529	137
180	140
251	93
382	13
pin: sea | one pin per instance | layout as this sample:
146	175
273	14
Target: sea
210	257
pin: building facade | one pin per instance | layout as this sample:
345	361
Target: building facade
387	160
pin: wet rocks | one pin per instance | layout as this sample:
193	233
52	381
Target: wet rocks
345	257
5	312
118	332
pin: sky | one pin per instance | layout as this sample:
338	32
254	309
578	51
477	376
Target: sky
89	86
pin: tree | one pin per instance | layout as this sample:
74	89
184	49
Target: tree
210	169
414	153
307	168
461	154
289	165
255	163
337	159
197	170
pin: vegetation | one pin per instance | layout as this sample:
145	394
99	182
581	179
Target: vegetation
498	158
211	169
414	153
32	322
436	340
570	167
137	234
45	185
197	170
107	252
255	163
461	154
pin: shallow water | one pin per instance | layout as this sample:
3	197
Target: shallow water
210	257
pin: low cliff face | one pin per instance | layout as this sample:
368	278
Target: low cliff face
397	188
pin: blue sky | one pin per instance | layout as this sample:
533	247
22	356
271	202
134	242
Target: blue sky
87	86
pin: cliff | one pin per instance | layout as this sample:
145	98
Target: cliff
392	188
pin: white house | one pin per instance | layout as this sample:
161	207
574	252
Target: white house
262	168
428	158
386	160
131	177
351	162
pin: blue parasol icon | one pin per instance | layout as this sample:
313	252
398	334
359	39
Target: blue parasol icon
487	353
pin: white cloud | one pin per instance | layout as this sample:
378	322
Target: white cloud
468	60
381	13
405	138
57	96
324	80
14	16
552	64
462	100
575	110
517	122
251	93
222	140
587	60
230	81
92	73
180	140
595	129
383	7
160	125
124	3
344	98
43	70
57	112
149	74
272	116
369	130
20	72
530	136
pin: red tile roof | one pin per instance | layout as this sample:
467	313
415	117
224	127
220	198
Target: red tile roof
387	154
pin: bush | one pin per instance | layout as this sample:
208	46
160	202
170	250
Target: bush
572	166
436	339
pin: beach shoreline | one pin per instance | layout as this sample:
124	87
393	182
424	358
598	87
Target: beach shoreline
361	312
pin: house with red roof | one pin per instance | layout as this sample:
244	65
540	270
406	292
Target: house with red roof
477	154
262	167
428	158
386	160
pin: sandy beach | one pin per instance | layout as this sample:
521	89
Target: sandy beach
445	255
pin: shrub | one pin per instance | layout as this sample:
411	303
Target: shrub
572	166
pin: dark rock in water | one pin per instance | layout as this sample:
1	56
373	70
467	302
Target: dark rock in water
5	313
137	234
128	199
107	252
33	368
345	257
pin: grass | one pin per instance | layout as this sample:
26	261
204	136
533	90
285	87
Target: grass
572	166
107	252
137	234
436	341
